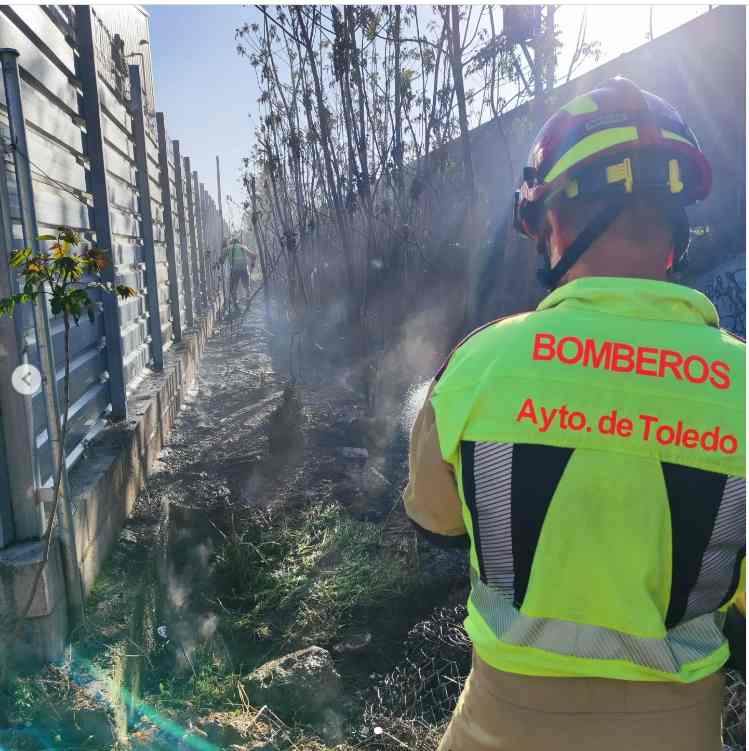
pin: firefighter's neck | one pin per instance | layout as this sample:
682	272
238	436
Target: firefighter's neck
627	248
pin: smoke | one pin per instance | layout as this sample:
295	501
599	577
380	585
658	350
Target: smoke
413	402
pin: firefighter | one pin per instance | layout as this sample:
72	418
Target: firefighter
592	455
241	266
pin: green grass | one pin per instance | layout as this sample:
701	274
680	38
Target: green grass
279	581
210	684
312	576
25	700
285	581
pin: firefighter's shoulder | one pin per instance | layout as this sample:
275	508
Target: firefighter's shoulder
487	335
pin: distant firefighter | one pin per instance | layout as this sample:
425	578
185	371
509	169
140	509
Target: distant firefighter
242	262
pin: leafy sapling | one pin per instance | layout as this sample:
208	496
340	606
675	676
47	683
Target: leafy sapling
67	278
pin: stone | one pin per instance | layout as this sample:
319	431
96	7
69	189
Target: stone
298	686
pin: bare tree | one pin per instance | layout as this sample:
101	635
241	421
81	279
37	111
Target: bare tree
354	182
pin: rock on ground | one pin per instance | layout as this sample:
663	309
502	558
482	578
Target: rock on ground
300	685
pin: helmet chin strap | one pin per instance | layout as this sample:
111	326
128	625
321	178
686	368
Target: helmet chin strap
680	232
550	277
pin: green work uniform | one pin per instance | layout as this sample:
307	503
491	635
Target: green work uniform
238	256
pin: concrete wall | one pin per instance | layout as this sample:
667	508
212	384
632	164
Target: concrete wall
700	68
104	489
725	285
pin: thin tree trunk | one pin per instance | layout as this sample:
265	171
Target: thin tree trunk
47	536
325	139
262	252
457	68
398	130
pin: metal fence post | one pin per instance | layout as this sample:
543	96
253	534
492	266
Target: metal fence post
201	240
204	221
171	254
14	103
146	214
220	235
97	185
211	239
184	255
220	204
19	513
193	233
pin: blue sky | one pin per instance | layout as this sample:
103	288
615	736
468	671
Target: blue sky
208	91
205	89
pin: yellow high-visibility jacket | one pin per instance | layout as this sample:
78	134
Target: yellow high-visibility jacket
594	453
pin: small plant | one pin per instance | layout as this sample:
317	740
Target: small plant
62	275
67	279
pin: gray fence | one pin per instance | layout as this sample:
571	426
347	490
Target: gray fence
102	163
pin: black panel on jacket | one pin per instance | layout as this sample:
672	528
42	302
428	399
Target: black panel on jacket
694	497
536	472
467	458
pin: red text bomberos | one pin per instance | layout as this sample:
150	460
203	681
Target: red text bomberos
621	357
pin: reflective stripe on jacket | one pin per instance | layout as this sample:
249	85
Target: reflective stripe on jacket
596	452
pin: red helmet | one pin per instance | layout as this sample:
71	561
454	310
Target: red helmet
613	141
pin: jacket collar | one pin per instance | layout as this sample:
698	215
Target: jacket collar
636	298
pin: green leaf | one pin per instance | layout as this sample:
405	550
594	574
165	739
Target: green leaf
8	304
46	237
80	296
69	235
69	266
17	257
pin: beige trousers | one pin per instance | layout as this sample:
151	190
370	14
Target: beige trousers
507	712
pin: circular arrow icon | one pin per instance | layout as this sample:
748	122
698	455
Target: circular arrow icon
26	379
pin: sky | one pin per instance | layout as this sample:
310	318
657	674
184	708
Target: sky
209	92
206	90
